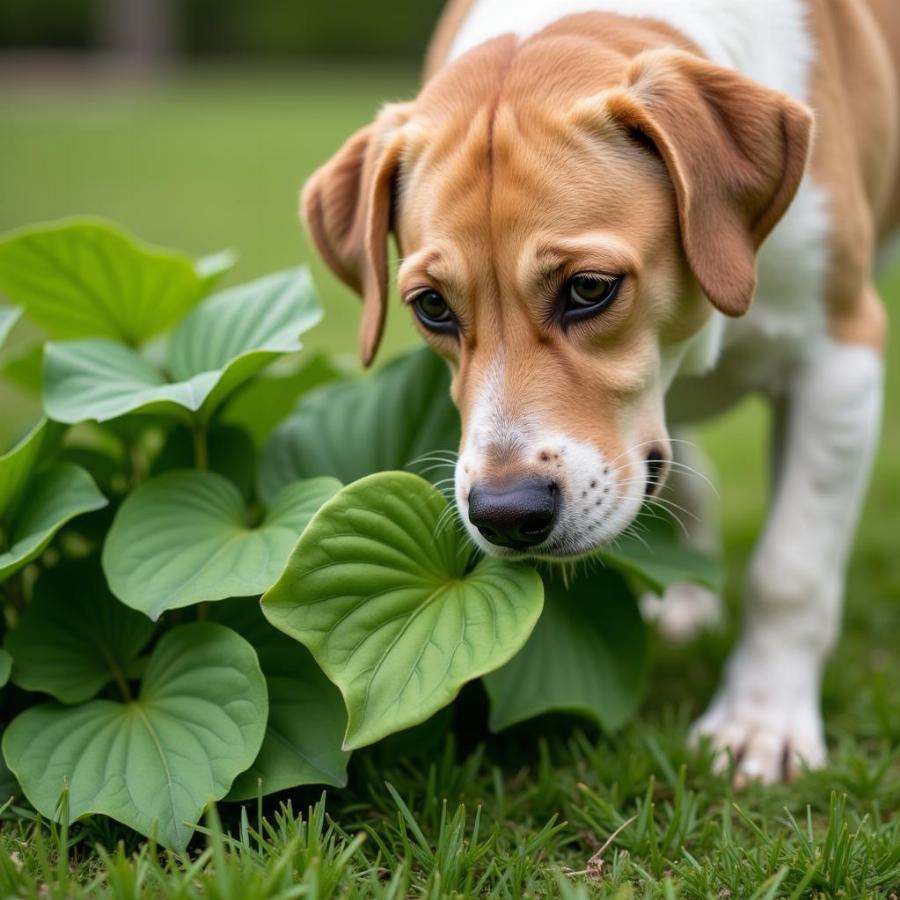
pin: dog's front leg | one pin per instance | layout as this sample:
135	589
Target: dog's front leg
767	710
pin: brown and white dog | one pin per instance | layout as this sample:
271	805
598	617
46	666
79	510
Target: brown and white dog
619	216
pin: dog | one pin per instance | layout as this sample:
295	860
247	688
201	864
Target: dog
616	218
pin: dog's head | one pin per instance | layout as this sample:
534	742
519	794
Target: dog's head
568	223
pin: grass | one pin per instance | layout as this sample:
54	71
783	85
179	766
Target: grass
211	159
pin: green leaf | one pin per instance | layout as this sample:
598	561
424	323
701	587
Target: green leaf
89	278
306	714
153	763
226	341
658	559
17	466
75	637
382	590
8	317
6	662
586	655
265	402
9	787
184	538
353	429
55	496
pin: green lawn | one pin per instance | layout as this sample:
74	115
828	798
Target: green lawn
208	160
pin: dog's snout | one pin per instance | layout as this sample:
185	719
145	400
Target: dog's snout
517	515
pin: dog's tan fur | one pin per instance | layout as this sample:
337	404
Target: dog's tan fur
501	169
609	144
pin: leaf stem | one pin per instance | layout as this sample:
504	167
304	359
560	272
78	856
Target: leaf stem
201	458
118	675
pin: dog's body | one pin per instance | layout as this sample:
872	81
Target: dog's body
661	120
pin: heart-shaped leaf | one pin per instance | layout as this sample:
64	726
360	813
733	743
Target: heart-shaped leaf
89	278
654	555
154	762
226	341
586	655
394	420
9	315
74	636
184	538
306	714
55	496
383	591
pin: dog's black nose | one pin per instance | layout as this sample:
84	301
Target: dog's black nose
517	515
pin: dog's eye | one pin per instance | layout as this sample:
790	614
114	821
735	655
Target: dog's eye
587	295
433	311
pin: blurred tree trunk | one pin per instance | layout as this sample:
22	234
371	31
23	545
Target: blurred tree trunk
142	32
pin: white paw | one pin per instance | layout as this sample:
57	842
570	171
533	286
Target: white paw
683	612
768	738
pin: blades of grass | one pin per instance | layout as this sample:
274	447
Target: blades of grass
409	818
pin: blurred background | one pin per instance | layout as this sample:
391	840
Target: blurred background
195	122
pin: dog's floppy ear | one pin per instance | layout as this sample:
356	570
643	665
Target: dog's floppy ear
346	205
735	152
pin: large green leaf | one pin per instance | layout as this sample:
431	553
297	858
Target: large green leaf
55	495
382	588
306	714
6	662
185	538
227	340
653	553
154	762
75	637
586	655
89	278
8	317
350	430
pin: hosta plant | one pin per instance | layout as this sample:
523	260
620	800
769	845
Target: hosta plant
227	564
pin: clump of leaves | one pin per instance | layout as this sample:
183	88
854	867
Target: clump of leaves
160	498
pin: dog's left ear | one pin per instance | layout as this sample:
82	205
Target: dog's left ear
735	152
346	205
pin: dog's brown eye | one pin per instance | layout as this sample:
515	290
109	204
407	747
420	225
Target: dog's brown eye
589	294
433	311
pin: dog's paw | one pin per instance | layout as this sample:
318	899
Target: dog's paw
768	742
683	612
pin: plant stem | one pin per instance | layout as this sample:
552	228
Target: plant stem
201	460
118	676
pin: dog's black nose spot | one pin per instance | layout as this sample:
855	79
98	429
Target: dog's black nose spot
656	463
516	515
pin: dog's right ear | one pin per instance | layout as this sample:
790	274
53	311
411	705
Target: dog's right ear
346	205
